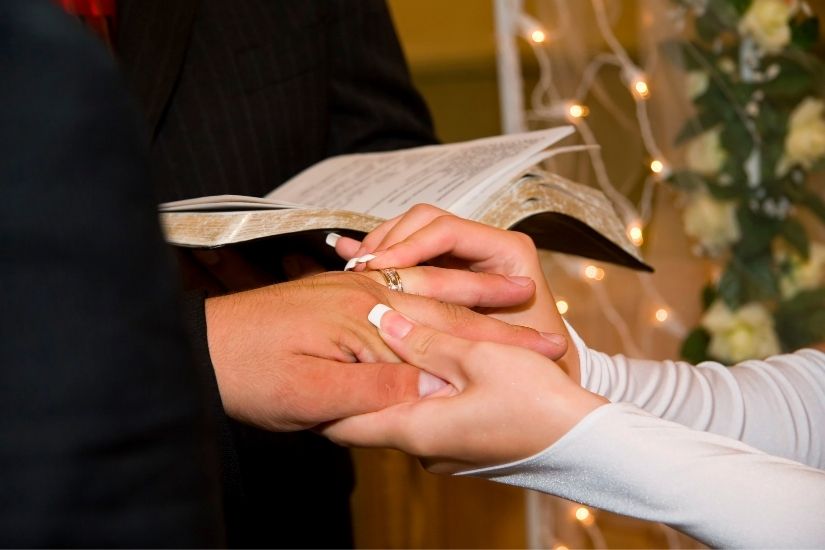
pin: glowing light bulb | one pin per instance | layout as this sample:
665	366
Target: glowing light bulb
576	110
657	166
661	315
634	232
594	272
538	36
562	306
639	87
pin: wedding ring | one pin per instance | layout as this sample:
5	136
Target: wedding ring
392	278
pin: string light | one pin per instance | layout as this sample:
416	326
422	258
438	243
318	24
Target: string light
548	104
635	234
584	516
639	87
594	272
576	110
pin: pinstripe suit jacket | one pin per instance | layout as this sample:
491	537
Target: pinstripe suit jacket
240	95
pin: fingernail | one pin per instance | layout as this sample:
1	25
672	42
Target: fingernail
396	325
365	258
554	338
520	281
332	239
429	384
358	260
376	313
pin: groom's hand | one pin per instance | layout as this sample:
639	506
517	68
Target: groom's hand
293	355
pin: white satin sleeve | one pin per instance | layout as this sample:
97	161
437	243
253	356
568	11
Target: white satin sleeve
776	405
720	491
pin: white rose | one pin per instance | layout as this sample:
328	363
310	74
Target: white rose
711	222
803	275
746	333
805	142
766	21
705	154
696	83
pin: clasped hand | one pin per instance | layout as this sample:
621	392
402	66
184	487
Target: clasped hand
502	402
291	356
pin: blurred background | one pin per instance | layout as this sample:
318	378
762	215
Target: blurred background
451	49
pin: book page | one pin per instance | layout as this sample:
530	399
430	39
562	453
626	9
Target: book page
387	184
224	202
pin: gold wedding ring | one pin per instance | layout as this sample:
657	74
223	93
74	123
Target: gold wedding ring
392	278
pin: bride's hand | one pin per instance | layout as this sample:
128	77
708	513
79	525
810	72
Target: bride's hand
501	403
428	234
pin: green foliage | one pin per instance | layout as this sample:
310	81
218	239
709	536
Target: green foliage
695	346
800	321
752	113
741	6
805	33
794	234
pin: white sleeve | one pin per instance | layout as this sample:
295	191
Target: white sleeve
720	491
776	405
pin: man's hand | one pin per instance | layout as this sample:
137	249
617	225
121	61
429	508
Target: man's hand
293	355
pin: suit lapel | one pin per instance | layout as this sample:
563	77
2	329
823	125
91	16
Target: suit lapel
152	36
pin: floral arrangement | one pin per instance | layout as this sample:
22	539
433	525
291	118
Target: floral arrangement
756	135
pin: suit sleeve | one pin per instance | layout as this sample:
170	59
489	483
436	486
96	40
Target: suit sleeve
104	438
373	103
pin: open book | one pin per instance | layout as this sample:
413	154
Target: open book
491	180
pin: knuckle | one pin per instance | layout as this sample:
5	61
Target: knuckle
396	384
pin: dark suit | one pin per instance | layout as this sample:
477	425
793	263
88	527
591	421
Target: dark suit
241	95
103	439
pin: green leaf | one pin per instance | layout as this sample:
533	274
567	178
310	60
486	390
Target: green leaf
741	6
736	140
757	233
761	281
685	180
794	80
709	295
730	288
805	33
697	125
795	235
695	347
800	321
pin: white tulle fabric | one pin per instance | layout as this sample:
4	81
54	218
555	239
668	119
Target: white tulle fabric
730	456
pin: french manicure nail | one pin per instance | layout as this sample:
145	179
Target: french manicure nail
332	239
365	258
396	325
351	264
376	313
429	384
520	281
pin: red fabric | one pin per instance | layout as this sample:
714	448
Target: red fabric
89	8
99	16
